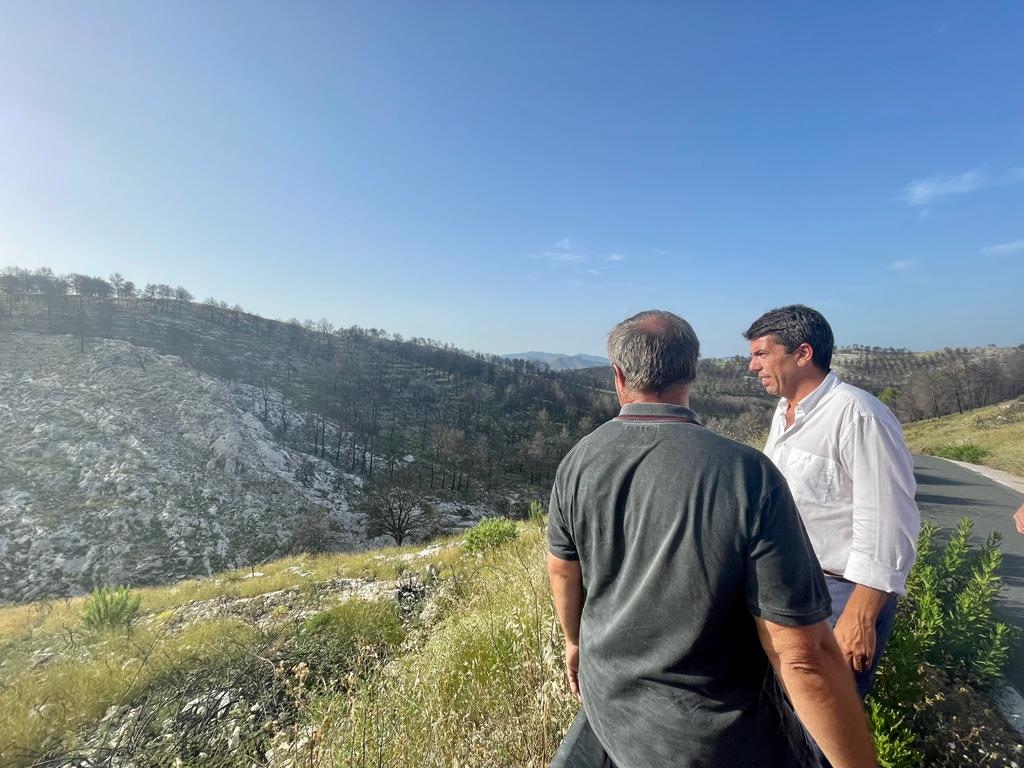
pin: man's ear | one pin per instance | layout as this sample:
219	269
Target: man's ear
620	383
804	354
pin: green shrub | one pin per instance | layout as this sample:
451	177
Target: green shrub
332	643
537	515
489	533
968	452
894	741
944	624
108	608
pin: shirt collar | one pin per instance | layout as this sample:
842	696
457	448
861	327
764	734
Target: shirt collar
657	409
807	404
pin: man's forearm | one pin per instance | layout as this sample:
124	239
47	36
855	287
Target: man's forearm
566	579
865	603
820	686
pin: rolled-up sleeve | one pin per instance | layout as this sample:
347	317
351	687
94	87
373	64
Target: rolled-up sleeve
886	520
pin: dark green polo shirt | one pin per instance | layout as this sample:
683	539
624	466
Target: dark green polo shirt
683	536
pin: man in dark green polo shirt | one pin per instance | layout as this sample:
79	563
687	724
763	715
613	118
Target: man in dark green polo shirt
682	576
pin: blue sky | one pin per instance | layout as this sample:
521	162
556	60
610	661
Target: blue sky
512	176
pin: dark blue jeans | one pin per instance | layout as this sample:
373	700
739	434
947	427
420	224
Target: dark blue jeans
840	591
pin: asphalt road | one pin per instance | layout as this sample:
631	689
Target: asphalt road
947	492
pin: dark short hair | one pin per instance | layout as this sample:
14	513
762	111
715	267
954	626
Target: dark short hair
654	349
795	325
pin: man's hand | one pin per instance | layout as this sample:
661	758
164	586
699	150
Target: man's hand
572	667
856	639
1018	518
855	628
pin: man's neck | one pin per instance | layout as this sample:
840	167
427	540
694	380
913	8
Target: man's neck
807	385
677	394
804	387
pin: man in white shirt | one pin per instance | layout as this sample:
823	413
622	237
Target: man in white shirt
843	456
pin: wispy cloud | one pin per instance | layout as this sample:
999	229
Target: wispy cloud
1017	246
616	257
561	252
922	192
902	265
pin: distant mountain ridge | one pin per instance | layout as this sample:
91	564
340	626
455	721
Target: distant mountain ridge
559	362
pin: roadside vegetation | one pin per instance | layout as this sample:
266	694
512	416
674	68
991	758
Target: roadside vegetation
412	657
992	436
927	707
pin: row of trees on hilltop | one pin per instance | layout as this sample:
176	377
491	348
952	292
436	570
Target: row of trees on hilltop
958	380
18	284
366	398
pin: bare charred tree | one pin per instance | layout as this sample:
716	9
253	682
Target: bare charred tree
128	292
117	283
395	506
10	283
52	288
181	296
313	532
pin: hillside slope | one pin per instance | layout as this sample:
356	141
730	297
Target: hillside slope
997	430
557	361
122	465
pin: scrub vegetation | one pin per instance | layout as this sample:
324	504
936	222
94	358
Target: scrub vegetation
993	436
415	657
946	647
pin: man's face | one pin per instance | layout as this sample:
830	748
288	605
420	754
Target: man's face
779	371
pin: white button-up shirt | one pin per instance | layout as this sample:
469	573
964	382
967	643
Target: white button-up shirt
853	481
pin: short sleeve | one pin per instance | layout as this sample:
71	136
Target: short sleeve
784	582
561	543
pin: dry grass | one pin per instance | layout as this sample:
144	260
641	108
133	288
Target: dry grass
483	686
56	679
90	673
301	570
997	429
478	681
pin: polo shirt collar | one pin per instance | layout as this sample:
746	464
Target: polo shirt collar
657	409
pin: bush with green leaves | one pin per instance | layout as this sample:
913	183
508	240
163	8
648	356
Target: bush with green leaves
944	624
110	608
331	643
968	452
894	741
489	533
537	515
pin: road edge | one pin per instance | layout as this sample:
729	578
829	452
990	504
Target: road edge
1011	481
1010	705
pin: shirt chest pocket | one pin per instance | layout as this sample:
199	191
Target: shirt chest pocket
810	477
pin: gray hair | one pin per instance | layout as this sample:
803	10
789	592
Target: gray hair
654	349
